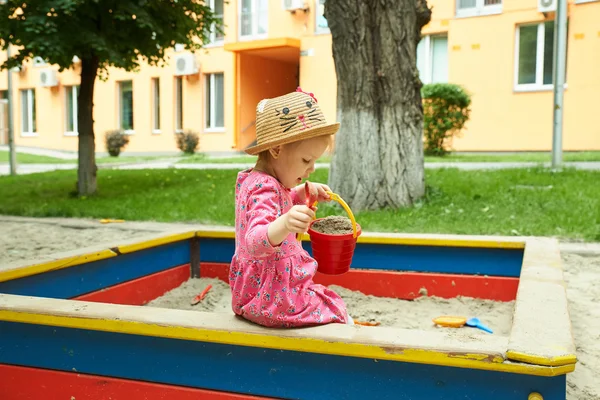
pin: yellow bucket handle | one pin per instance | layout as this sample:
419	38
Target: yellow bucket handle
337	198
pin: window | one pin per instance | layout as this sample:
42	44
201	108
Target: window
155	105
217	8
534	56
126	106
28	125
432	59
71	93
215	115
3	94
321	23
584	1
471	8
178	104
253	18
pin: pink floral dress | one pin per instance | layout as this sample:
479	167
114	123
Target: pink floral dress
273	286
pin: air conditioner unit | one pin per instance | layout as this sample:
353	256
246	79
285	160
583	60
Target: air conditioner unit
48	77
20	69
38	62
545	6
185	64
294	5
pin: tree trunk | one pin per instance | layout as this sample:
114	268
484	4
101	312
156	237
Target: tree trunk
86	174
378	158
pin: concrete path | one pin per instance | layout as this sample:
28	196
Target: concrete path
23	169
63	155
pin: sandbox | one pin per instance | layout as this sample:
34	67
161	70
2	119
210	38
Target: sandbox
73	325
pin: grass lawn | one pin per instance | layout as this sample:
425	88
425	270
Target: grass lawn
517	157
506	202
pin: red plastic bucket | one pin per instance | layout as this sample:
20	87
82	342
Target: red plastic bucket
333	253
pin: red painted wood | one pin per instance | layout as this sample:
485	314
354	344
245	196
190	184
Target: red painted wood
24	383
404	285
140	291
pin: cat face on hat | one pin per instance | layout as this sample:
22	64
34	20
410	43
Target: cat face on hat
289	118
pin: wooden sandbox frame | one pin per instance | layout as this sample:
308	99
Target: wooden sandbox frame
61	334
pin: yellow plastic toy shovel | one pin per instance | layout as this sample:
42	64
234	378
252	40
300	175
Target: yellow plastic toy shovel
450	321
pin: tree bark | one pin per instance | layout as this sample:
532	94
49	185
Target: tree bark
378	157
86	173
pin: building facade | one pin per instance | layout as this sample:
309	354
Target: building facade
499	50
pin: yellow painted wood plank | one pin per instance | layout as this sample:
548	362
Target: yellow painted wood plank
541	333
386	343
547	361
34	269
158	241
450	241
420	356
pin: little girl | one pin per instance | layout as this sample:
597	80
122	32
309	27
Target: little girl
271	275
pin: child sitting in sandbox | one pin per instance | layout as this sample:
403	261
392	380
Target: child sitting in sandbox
271	275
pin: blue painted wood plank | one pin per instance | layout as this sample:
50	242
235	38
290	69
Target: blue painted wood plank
74	281
451	260
266	372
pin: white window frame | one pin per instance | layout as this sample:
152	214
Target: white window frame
179	104
29	112
120	86
539	61
585	1
156	106
74	94
320	31
428	78
255	17
213	129
213	34
479	9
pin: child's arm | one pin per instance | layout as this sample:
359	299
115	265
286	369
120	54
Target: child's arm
267	227
296	220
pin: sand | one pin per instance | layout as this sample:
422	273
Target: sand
26	240
388	312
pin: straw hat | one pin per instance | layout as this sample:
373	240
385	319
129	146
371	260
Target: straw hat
289	118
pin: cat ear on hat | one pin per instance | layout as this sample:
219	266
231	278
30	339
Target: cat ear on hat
261	105
299	89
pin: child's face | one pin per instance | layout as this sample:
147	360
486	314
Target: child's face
296	161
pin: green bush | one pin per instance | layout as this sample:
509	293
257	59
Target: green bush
445	112
187	141
115	141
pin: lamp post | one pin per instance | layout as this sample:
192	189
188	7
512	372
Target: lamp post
560	62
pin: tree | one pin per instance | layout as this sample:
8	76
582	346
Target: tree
378	158
102	34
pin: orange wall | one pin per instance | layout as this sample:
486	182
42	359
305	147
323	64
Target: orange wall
481	57
261	78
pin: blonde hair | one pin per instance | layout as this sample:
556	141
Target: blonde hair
265	155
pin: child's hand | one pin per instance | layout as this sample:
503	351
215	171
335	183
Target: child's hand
298	219
322	190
